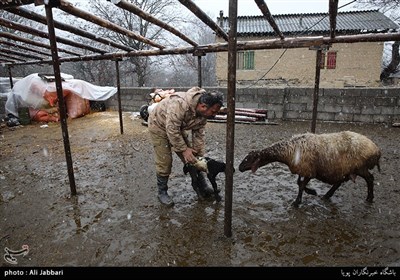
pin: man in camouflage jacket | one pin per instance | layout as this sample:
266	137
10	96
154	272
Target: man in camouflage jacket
168	124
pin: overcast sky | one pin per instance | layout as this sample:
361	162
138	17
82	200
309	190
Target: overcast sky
249	7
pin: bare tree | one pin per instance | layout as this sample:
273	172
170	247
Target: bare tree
165	10
22	71
185	67
390	65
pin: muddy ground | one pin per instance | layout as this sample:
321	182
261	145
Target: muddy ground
116	219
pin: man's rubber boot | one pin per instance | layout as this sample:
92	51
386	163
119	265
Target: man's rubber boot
204	189
163	197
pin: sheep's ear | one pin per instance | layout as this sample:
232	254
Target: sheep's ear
255	165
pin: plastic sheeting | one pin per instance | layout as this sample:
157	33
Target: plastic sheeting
37	93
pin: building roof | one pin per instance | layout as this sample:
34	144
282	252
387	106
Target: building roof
354	22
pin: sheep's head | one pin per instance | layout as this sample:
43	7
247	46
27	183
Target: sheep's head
251	162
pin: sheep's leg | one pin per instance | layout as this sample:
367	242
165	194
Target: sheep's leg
302	182
332	191
211	178
369	178
195	182
204	189
310	191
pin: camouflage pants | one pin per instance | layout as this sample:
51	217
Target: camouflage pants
163	153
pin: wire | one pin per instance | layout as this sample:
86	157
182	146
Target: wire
285	50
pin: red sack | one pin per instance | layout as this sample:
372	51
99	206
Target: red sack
76	105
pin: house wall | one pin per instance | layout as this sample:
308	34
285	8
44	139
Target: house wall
364	105
357	64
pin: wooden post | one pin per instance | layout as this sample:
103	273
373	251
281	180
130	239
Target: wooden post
316	88
121	124
199	72
61	104
10	76
199	54
230	129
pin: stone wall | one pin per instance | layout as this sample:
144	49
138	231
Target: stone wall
369	105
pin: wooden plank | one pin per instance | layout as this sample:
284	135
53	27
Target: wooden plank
239	118
137	11
23	12
261	111
14	3
305	42
204	18
333	9
267	14
69	8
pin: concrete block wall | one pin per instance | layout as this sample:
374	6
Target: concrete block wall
368	105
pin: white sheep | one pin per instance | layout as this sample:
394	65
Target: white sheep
332	158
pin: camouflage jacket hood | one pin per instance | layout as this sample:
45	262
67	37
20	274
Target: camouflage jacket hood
177	113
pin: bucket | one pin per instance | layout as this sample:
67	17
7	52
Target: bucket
24	117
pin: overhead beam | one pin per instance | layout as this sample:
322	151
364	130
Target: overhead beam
137	11
8	61
204	18
4	4
16	26
24	54
23	12
267	14
333	10
7	55
32	42
69	8
295	42
3	42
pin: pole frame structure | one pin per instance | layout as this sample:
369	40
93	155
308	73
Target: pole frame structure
230	129
121	122
61	104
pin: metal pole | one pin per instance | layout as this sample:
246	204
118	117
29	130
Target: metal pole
61	104
10	76
121	124
316	90
230	129
199	71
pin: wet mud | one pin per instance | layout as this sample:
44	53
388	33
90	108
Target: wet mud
116	219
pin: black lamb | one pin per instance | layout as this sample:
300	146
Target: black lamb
205	164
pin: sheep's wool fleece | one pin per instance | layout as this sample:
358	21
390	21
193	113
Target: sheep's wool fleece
331	154
201	164
175	113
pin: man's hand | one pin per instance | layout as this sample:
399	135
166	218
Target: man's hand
189	155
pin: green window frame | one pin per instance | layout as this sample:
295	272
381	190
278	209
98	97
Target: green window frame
245	60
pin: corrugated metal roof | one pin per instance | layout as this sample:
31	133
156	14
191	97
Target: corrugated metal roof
353	22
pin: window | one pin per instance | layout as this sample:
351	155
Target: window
245	60
331	60
328	60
